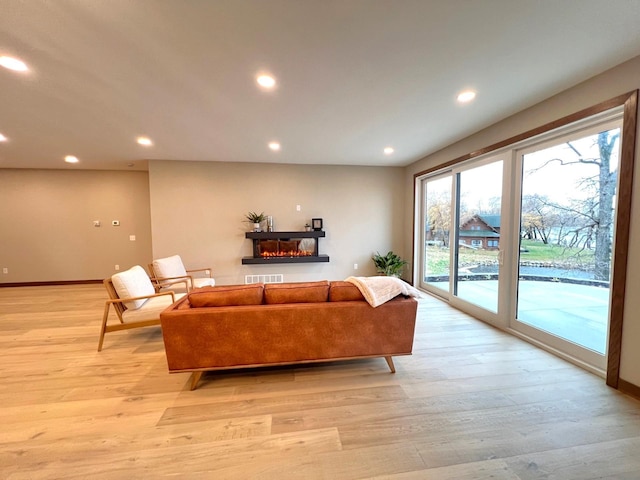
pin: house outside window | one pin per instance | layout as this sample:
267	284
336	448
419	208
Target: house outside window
480	231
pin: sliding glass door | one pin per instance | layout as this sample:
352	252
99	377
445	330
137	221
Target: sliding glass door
567	216
462	262
478	205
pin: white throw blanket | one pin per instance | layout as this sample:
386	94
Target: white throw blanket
378	290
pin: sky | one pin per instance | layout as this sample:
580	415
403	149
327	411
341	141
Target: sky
556	181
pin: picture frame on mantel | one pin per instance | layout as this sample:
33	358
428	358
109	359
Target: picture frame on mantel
316	224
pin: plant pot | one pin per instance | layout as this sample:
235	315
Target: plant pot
256	227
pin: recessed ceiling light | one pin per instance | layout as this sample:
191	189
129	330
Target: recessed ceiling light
275	146
466	96
71	159
13	64
388	150
146	141
3	138
266	81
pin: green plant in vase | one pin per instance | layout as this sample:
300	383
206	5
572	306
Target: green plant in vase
256	219
390	264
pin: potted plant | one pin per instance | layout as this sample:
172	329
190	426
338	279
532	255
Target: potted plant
390	264
256	219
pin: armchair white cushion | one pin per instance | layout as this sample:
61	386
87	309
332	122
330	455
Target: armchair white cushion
133	283
169	267
173	268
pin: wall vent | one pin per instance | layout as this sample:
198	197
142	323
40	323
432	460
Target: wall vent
275	278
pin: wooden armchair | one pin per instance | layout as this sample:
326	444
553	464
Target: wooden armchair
169	273
135	301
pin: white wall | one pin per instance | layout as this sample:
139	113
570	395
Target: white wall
47	231
619	80
198	208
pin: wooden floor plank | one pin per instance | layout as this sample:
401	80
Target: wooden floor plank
475	445
194	413
486	469
616	459
223	455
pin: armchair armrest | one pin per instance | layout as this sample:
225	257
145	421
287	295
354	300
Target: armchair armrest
208	271
130	299
161	282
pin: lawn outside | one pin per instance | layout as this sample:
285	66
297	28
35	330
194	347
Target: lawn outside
533	253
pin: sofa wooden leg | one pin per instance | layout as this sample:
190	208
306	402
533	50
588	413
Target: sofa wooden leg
195	377
390	363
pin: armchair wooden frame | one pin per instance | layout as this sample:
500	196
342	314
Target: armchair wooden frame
164	282
120	307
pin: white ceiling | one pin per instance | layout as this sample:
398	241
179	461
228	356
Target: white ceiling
353	76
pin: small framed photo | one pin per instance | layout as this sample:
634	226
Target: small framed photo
316	223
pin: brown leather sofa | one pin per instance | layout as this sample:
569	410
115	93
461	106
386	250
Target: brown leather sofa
223	327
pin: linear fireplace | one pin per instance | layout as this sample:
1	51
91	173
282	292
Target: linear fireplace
285	247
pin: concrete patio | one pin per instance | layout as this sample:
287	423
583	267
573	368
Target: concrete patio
577	313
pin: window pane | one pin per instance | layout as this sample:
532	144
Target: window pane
566	238
478	235
437	232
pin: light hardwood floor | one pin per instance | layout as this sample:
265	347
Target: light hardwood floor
471	403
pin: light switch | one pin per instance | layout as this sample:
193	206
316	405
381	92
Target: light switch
115	223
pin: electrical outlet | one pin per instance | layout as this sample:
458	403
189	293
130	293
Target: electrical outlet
5	270
116	267
96	223
132	238
115	223
298	208
355	266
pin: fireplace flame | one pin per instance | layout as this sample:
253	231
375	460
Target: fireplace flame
289	253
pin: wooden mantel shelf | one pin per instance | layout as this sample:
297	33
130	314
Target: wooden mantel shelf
283	235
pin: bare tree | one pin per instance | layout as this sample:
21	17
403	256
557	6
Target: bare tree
439	219
598	209
593	216
538	218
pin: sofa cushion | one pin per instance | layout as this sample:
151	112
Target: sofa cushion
227	295
344	292
133	283
301	292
